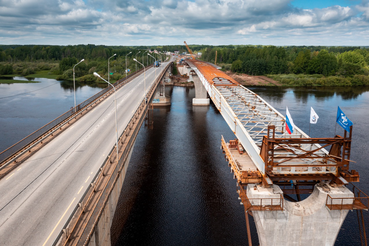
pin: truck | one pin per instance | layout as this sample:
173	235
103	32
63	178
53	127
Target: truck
156	63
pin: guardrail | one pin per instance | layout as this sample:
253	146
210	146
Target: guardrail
93	201
359	201
21	147
261	203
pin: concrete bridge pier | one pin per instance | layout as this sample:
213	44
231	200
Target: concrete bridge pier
306	223
201	95
160	99
101	234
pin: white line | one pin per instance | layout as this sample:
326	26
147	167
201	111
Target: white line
9	176
58	223
87	178
79	190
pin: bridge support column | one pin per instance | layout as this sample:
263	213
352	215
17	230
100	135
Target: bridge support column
160	99
305	223
200	98
101	234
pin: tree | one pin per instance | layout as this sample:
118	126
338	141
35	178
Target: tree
301	62
237	66
353	57
67	63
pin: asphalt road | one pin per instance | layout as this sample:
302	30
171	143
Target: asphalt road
37	199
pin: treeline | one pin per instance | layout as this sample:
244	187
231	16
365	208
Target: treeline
263	60
31	53
59	60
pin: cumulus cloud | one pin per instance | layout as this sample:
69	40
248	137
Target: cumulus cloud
130	22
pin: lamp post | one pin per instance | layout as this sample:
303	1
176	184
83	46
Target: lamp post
115	99
154	63
109	67
126	64
136	59
144	78
74	84
143	57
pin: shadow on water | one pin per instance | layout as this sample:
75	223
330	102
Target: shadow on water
178	188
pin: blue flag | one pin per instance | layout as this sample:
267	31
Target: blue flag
342	120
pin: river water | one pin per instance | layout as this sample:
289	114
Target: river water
179	189
26	107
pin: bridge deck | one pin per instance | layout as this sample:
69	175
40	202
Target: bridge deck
261	130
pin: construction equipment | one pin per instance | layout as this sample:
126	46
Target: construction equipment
189	50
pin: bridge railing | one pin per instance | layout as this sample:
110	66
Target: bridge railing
359	201
38	134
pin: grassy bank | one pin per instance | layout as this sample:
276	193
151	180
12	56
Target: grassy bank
42	74
11	81
320	80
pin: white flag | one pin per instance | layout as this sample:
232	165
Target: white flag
313	116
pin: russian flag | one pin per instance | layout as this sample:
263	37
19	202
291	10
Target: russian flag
289	122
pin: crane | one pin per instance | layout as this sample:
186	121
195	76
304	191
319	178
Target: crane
189	50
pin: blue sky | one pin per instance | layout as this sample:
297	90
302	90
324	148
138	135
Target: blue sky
165	22
310	4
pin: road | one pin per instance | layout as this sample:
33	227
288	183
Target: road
38	197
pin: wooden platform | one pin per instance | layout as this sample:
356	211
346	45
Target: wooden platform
241	164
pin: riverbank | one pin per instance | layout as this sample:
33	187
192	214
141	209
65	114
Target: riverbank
300	80
7	79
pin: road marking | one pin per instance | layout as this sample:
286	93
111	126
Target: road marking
87	178
9	177
79	190
19	169
91	172
58	222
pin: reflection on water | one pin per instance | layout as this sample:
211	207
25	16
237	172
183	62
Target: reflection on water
68	85
179	189
26	107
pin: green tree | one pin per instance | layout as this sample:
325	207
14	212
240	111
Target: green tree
236	66
353	57
301	62
67	63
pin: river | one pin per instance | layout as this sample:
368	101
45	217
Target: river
179	189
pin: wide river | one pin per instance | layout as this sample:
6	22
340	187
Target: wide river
179	189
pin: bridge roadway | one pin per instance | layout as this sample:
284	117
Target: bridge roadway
38	197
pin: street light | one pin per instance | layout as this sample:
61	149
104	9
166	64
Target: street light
126	64
143	57
154	63
109	67
74	84
144	77
136	59
115	99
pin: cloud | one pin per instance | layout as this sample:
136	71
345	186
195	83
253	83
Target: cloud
142	22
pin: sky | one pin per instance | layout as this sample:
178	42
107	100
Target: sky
170	22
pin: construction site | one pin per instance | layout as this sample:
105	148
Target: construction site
297	188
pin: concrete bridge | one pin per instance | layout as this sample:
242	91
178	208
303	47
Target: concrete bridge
65	192
62	187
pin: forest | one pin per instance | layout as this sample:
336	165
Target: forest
293	65
59	60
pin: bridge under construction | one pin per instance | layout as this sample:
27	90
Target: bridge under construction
290	183
294	186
